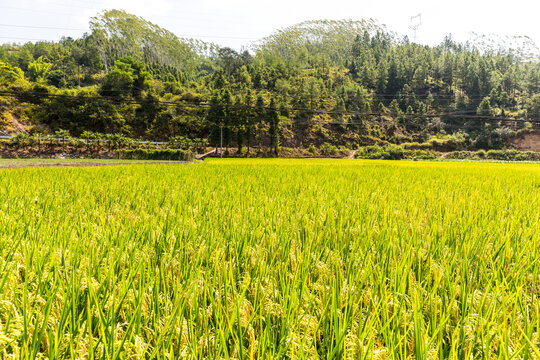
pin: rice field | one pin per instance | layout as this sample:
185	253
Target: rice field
271	259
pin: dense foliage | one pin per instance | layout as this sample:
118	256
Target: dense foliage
153	154
345	83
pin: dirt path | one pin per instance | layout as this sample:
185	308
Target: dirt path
82	164
352	154
202	156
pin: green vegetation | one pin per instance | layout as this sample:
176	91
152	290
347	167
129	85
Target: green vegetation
98	145
396	152
271	259
341	83
153	154
505	155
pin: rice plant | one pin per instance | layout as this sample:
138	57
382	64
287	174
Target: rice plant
271	259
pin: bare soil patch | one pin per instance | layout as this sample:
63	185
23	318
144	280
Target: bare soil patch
13	127
527	142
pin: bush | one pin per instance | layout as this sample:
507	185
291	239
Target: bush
513	155
328	150
417	146
4	118
149	154
503	155
394	152
370	152
420	154
390	152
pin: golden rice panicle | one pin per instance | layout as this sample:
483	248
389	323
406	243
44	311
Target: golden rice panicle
271	259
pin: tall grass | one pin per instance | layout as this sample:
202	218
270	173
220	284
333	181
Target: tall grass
247	259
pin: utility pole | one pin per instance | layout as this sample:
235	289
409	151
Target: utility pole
221	141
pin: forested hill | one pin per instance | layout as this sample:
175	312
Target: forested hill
348	83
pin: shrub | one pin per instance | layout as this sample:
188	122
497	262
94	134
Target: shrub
370	152
149	154
503	155
513	155
4	118
420	154
390	152
393	152
417	146
327	149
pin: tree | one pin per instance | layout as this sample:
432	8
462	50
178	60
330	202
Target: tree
533	107
39	69
127	78
382	77
484	108
313	92
118	82
283	88
116	33
244	77
10	74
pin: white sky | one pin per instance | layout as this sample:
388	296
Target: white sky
237	22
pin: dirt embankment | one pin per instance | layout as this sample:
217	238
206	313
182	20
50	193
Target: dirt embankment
13	127
53	152
18	165
527	142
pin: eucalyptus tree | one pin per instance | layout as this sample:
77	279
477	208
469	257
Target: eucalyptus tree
119	34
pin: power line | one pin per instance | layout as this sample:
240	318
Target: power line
97	10
216	37
80	29
35	10
42	27
27	39
101	6
201	105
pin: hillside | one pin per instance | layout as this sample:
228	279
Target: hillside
343	83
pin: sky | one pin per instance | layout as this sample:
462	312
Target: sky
237	23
